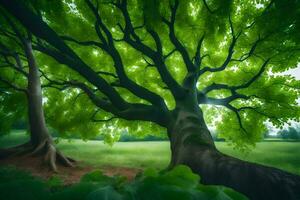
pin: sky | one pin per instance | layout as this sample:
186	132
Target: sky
295	72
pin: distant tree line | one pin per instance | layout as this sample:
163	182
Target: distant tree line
287	133
290	133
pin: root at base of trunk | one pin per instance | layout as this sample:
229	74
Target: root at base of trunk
256	181
52	155
46	150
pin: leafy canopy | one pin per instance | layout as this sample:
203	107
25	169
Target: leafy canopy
240	48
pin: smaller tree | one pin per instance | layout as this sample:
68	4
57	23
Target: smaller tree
15	51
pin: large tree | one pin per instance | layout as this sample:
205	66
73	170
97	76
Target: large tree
183	65
20	73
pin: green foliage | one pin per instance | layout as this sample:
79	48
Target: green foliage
77	191
23	189
12	108
11	173
96	176
275	24
12	102
54	181
18	185
105	193
180	183
273	96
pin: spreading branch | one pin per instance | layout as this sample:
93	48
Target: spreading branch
229	54
236	111
5	52
93	117
198	58
156	56
233	89
110	48
12	86
84	43
134	112
63	53
226	102
260	112
178	45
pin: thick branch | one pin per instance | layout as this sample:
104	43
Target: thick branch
134	111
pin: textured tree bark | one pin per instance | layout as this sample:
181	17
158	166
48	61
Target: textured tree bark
37	124
192	145
40	138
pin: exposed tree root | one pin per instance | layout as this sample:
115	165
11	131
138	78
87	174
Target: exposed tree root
51	155
45	149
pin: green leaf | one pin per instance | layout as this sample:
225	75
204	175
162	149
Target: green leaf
105	193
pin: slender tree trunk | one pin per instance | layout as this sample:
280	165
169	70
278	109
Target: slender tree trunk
40	138
38	130
192	145
41	143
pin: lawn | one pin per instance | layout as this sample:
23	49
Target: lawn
280	154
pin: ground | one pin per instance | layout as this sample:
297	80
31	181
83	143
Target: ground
37	168
129	158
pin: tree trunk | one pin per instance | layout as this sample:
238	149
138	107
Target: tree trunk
40	138
41	143
192	145
38	130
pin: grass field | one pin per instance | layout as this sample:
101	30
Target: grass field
284	155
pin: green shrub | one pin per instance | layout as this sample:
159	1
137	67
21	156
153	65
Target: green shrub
179	184
11	174
20	185
78	191
23	190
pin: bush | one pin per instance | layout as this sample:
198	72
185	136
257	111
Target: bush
20	185
178	184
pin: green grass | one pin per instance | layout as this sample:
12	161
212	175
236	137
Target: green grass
14	138
283	155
